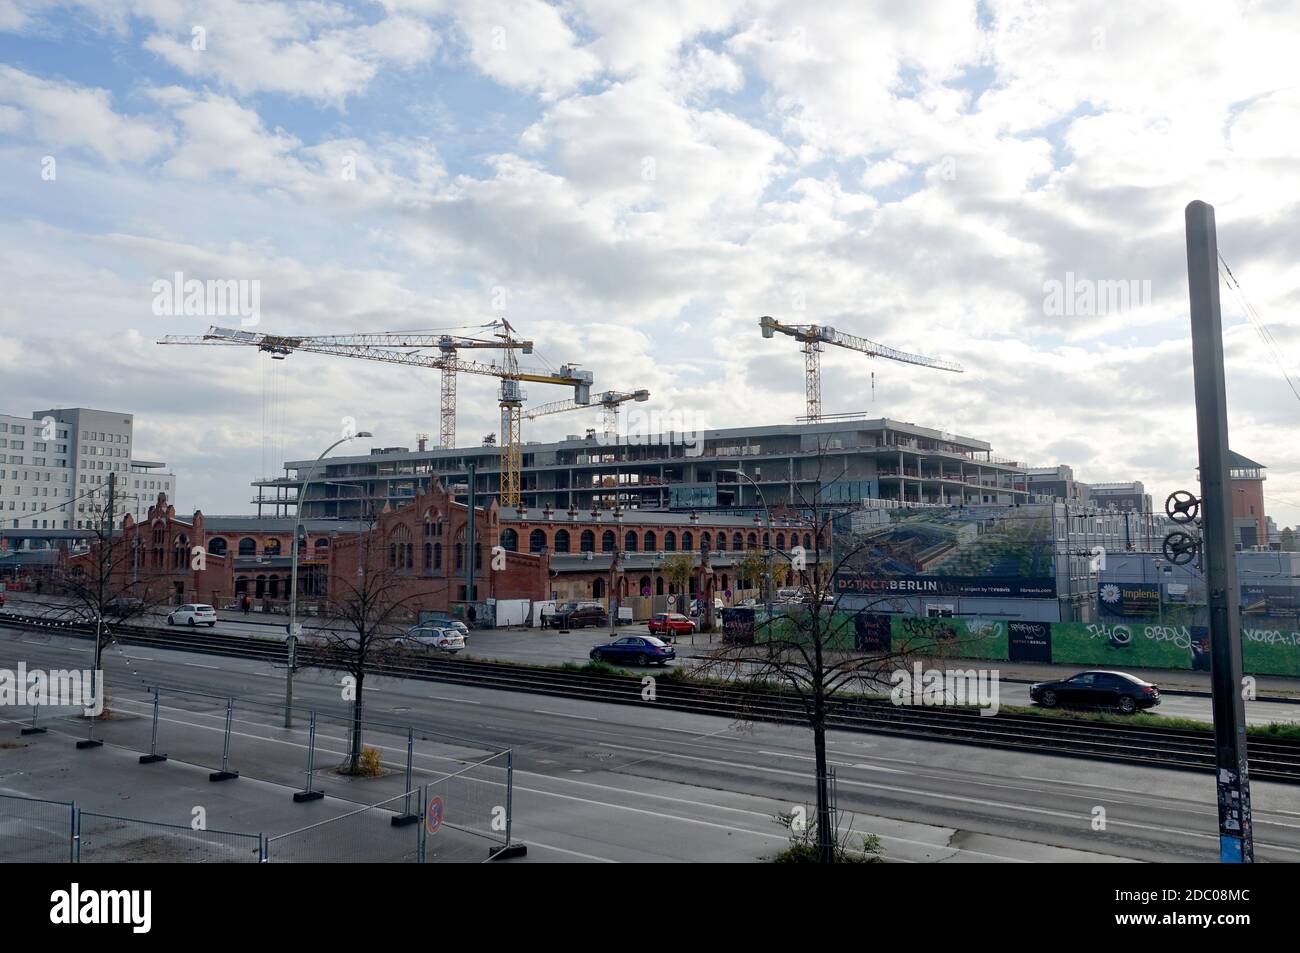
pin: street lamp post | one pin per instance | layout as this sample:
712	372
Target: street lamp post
767	573
293	579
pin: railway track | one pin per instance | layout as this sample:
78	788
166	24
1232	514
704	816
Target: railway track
1270	760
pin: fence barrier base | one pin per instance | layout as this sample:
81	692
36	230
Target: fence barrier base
31	731
507	851
85	743
223	775
152	758
405	820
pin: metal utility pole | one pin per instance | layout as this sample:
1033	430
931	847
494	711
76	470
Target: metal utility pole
293	629
1236	838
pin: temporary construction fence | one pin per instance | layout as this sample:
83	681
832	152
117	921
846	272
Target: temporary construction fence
36	831
461	817
470	786
106	838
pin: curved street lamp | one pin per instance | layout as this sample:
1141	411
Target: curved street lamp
293	577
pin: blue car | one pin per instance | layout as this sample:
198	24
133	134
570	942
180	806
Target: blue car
635	650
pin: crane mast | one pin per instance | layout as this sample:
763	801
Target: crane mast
609	401
814	337
400	347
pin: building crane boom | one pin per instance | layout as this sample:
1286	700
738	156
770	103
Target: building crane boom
608	400
388	347
815	336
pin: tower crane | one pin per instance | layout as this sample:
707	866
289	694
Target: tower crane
814	336
396	347
609	401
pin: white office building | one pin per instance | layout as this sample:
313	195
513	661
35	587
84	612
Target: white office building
56	464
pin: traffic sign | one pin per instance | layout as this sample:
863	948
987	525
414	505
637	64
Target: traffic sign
433	816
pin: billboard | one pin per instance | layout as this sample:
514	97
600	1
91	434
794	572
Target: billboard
972	552
1127	600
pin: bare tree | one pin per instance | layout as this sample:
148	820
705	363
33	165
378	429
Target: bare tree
825	657
678	569
364	621
109	584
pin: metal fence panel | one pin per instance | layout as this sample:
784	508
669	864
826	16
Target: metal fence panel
468	812
35	831
367	835
105	838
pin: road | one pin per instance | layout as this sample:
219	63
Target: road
550	647
617	783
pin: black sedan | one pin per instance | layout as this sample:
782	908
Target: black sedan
1117	690
635	650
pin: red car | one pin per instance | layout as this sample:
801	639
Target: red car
670	624
2	600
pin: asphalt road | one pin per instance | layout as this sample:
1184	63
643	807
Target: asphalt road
615	783
550	647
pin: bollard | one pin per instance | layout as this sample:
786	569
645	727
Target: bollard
153	757
309	794
225	774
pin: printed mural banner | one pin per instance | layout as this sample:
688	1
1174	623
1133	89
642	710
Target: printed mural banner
971	551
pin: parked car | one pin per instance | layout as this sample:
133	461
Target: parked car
670	624
1128	693
635	650
193	614
456	624
575	615
2	600
429	638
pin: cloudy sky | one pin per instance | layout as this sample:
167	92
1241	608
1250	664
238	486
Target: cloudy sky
632	185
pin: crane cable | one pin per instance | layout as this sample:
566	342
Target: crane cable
1265	335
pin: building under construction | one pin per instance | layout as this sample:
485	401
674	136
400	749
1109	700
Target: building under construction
841	463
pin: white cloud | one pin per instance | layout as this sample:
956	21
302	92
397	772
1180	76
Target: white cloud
61	114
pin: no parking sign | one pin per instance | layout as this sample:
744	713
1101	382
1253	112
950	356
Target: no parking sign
433	816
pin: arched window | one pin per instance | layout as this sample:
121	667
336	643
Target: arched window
670	542
437	556
629	541
272	547
722	542
274	592
428	557
562	541
510	541
217	547
651	543
688	542
737	543
587	542
322	544
536	541
259	589
608	541
807	541
725	587
767	540
181	552
753	540
659	586
428	524
597	588
644	586
460	556
706	542
248	546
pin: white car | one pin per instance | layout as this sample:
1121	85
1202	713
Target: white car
194	614
433	637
